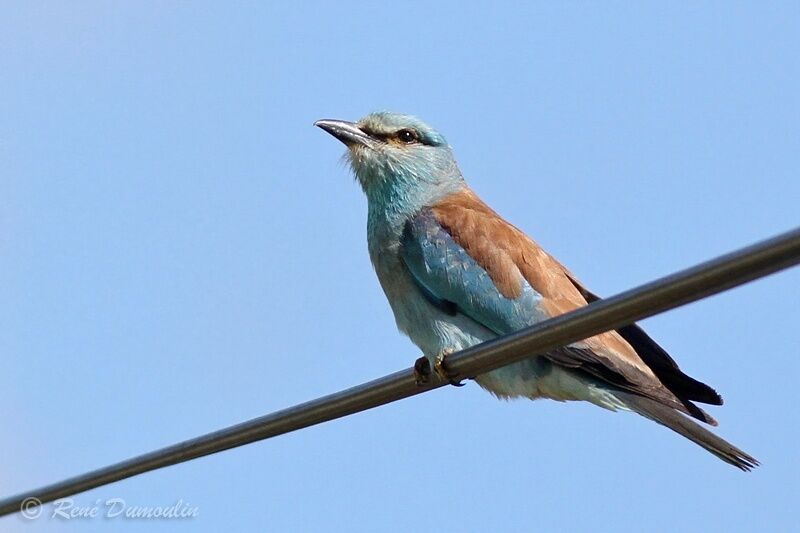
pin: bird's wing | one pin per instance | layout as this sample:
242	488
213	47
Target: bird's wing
466	258
659	361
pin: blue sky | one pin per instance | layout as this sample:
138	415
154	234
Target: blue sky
180	250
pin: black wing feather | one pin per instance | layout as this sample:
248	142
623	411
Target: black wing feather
663	366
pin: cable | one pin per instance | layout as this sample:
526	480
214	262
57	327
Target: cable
705	279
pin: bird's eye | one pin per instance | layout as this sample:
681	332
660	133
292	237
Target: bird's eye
407	136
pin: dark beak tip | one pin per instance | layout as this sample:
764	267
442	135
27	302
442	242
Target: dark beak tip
347	132
329	125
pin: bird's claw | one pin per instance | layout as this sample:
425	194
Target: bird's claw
442	372
422	371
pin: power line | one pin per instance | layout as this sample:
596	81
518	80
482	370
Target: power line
705	279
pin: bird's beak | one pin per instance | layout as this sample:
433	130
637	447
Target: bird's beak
347	132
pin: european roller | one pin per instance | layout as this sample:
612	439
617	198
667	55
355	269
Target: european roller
457	274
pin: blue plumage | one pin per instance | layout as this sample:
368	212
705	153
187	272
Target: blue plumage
456	274
446	272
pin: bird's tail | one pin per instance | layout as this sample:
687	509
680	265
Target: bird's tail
678	423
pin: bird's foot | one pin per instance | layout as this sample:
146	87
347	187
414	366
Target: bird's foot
422	371
441	370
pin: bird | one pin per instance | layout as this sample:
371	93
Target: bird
456	274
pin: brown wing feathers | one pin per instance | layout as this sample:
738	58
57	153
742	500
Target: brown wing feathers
627	358
664	366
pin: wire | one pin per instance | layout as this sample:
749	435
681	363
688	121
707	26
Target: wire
705	279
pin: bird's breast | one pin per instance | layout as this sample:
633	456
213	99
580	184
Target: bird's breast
431	329
435	331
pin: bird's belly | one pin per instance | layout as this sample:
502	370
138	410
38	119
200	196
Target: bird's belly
436	332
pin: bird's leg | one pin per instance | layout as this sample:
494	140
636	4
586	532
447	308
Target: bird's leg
422	369
441	371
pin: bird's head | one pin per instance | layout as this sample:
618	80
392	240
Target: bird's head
397	158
